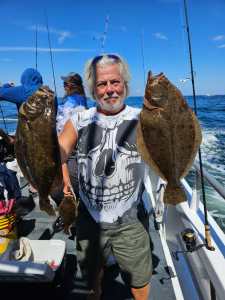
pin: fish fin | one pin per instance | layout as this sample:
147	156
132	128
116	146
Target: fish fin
196	146
149	106
46	206
174	194
143	150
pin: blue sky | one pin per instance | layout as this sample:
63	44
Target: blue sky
152	27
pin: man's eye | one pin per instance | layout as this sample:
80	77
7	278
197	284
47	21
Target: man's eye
115	82
101	84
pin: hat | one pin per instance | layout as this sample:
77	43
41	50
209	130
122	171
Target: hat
73	78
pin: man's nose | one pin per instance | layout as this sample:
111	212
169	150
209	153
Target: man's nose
109	88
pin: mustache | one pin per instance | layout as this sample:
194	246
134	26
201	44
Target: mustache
111	97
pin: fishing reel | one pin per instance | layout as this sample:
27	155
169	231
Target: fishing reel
189	238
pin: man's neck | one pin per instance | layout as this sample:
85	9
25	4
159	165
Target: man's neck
109	113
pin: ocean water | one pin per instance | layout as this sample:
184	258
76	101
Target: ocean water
211	114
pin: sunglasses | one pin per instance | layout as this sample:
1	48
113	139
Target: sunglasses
99	57
69	84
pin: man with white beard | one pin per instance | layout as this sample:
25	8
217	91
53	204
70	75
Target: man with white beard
111	180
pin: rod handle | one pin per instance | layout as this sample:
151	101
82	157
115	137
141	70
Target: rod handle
208	238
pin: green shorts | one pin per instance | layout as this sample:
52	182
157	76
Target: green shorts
129	244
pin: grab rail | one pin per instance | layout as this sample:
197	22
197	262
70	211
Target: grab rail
212	181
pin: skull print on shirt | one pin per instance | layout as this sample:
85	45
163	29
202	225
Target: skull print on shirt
110	169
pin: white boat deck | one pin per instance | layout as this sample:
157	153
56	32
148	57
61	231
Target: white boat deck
196	276
37	225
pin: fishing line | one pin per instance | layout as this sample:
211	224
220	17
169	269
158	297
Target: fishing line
142	55
182	17
36	45
50	51
207	229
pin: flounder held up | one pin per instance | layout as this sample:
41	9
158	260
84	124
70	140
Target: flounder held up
68	210
36	145
168	135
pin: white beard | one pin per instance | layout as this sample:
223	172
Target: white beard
111	107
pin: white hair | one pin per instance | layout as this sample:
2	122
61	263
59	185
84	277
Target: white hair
105	60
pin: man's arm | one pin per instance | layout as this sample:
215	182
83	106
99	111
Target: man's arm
67	141
15	95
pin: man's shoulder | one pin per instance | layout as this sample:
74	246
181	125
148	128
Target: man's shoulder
131	112
88	112
133	109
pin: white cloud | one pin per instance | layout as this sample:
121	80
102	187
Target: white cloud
219	38
62	34
160	36
221	46
33	49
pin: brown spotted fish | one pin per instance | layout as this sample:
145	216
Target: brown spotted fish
36	145
68	210
168	135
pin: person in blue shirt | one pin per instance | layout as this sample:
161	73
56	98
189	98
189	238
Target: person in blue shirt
31	80
74	99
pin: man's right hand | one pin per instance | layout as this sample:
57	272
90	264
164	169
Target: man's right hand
66	180
67	190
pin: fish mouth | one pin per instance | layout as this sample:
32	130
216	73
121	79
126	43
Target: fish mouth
156	98
32	111
156	91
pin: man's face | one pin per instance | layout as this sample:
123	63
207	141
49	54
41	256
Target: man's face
110	88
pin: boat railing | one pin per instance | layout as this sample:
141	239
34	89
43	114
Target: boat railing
215	184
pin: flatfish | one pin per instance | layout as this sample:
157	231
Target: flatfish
36	145
68	210
168	135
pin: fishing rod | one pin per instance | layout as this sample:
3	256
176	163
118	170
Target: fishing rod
142	54
50	50
36	52
207	228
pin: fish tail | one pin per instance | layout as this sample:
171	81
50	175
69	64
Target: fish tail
66	229
174	194
46	206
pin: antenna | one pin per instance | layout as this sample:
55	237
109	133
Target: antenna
103	39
